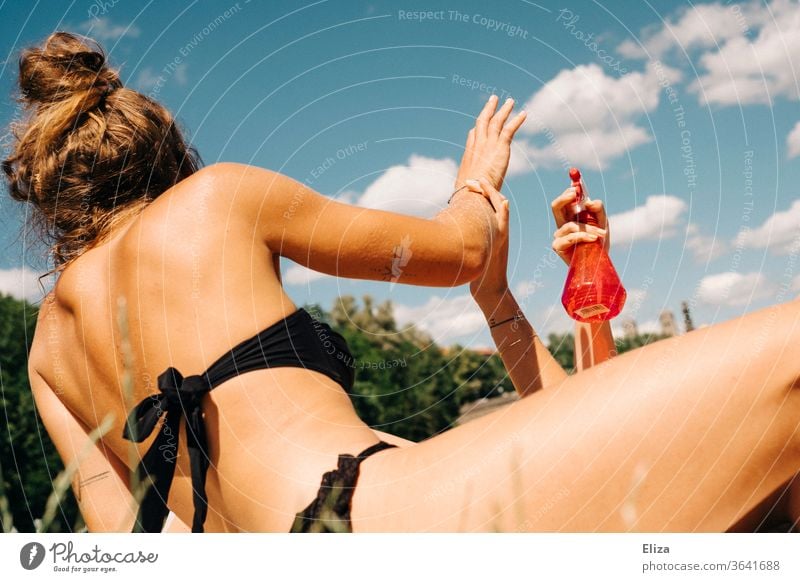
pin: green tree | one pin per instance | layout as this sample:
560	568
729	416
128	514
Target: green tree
403	384
479	376
28	460
562	346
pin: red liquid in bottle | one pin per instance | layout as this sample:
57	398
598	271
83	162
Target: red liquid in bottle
593	291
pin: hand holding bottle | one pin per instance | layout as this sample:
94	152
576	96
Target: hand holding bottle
593	291
569	232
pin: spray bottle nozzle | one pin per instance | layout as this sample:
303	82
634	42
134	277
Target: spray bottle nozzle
581	195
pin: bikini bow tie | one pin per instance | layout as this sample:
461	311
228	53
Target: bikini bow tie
178	397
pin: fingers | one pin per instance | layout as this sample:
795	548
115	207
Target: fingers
495	197
560	203
565	243
502	216
482	122
511	128
596	206
470	142
475	186
571	227
469	149
499	118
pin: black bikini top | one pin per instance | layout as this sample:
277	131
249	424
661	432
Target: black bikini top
298	340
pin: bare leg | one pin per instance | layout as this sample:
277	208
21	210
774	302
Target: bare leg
688	434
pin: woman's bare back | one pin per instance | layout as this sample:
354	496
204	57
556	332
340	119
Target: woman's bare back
191	282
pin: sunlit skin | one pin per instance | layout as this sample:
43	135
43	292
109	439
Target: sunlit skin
712	419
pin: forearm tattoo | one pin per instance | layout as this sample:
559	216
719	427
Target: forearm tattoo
79	484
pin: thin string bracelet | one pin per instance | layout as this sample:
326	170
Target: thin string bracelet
465	186
456	192
516	317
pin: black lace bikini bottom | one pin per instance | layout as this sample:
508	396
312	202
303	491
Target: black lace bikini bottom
330	511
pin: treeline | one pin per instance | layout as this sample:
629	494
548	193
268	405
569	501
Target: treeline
405	385
562	346
28	460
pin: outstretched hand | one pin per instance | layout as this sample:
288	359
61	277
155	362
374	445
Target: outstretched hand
488	147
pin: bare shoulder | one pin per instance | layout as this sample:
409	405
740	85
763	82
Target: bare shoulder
238	191
236	177
256	186
264	200
207	199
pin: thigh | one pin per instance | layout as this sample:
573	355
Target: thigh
687	434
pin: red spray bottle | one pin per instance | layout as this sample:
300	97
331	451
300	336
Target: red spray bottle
593	291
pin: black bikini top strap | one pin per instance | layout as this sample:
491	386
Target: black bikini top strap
281	344
179	396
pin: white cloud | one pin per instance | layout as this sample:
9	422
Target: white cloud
793	142
524	289
747	49
23	284
585	97
553	319
420	187
593	148
445	319
704	248
796	284
347	196
780	232
656	219
181	78
587	118
647	326
699	26
300	275
103	29
633	302
734	288
745	72
148	80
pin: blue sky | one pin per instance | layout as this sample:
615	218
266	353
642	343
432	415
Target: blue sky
689	135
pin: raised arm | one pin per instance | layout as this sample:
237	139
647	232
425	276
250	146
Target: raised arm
339	239
594	342
529	363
